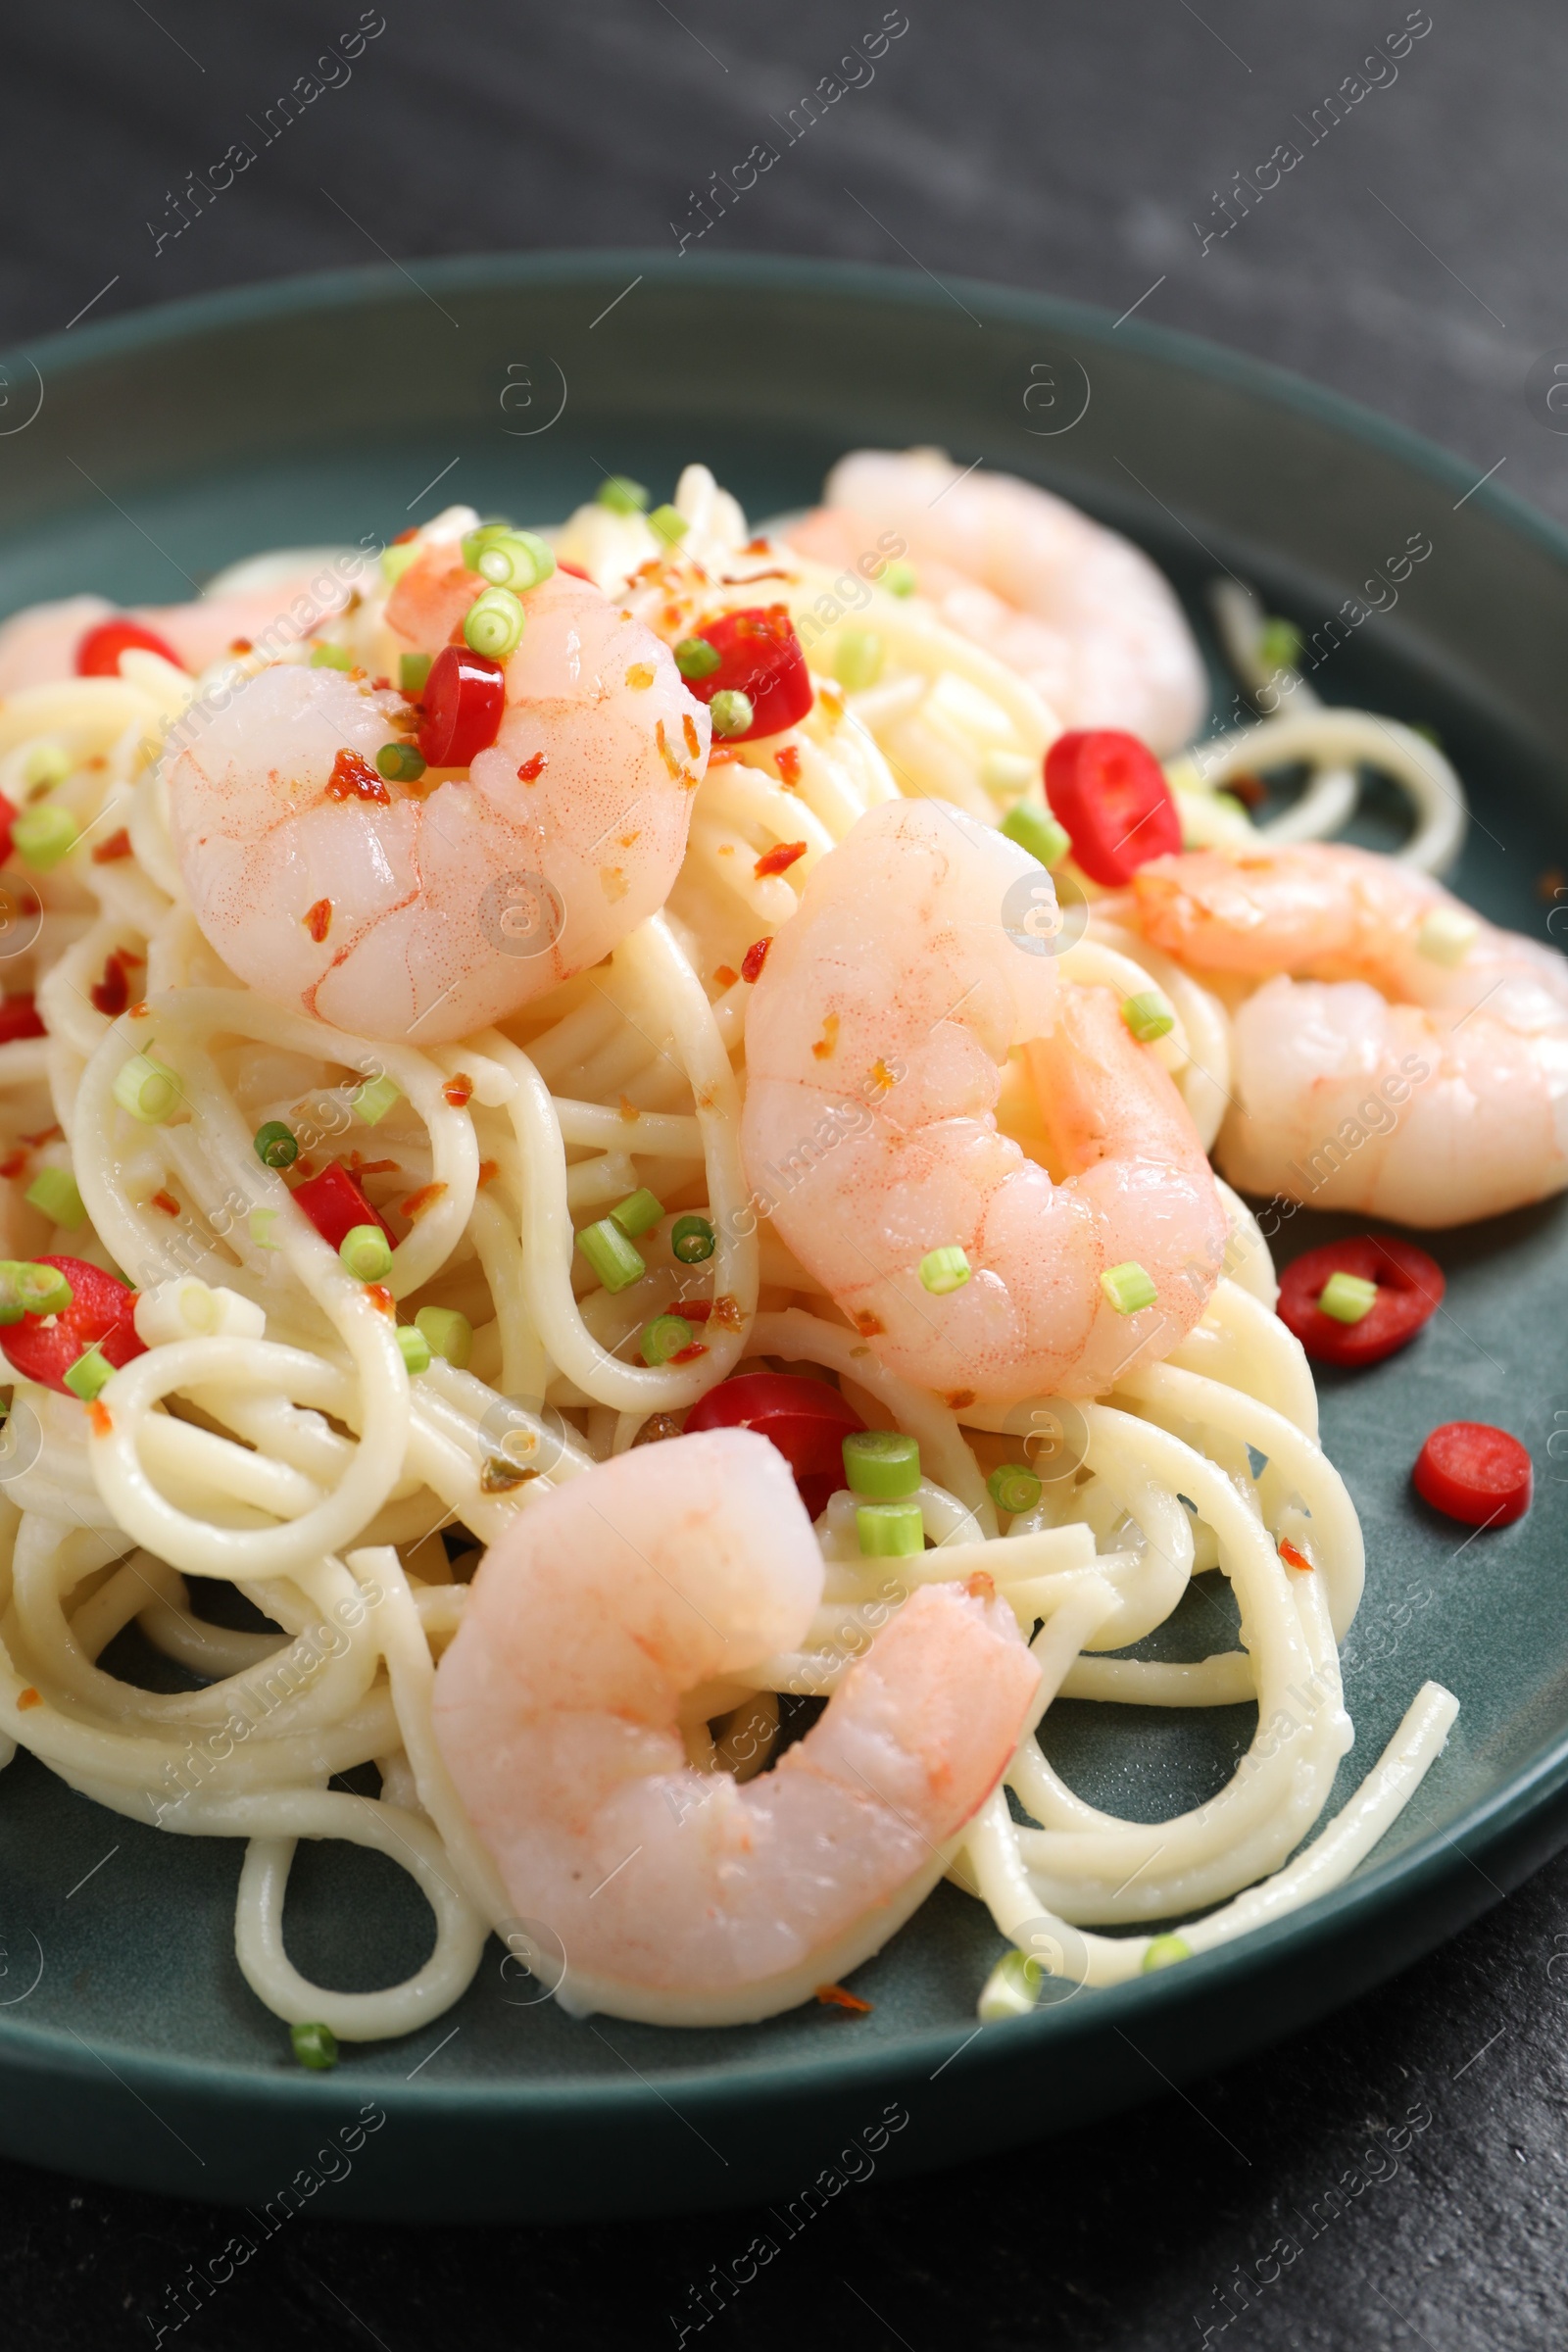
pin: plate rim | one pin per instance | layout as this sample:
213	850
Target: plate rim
1373	1892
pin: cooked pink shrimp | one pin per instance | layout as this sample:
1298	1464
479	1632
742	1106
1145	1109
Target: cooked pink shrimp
874	1041
678	1896
426	910
1401	1056
1075	608
39	646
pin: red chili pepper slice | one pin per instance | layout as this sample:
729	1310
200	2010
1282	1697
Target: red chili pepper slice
1474	1473
463	698
99	651
760	657
44	1348
1410	1287
1111	793
335	1205
805	1419
7	817
19	1017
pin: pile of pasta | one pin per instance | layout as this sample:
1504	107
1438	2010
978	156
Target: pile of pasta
270	1438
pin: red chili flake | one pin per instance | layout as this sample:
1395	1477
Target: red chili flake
19	1017
489	1171
355	779
755	957
869	1326
140	1013
720	755
786	760
778	861
358	1165
1296	1559
13	1165
727	1313
958	1398
979	1586
458	1091
838	1996
112	993
628	1108
45	1135
166	1203
724	977
756	547
689	1355
694	1310
239	645
115	847
380	1298
533	768
822	1047
102	1422
29	1698
414	1206
694	741
305	1167
403	537
318	918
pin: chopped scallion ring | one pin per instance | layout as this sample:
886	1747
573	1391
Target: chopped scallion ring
331	657
89	1374
449	1334
1007	773
1280	644
54	1191
882	1464
695	658
1013	1990
730	712
45	763
890	1531
315	2046
516	559
670	525
943	1270
1013	1487
395	560
276	1144
900	579
412	670
638	1213
493	623
1348	1297
612	1257
374	1099
1446	935
857	660
1037	831
665	1336
692	1240
622	495
400	763
26	1289
44	835
1164	1951
1128	1287
366	1253
149	1090
416	1347
1148	1016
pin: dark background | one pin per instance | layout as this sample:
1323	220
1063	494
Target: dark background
1413	260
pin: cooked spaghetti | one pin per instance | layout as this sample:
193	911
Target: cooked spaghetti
335	1400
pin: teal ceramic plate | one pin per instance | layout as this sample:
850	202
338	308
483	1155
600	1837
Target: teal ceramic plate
141	455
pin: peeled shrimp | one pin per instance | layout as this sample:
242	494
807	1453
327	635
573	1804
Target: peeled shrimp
39	646
874	1044
1075	608
677	1896
1400	1056
427	910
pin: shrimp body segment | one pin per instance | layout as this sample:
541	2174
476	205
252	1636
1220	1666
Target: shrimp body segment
425	909
678	1896
1400	1056
1075	608
875	1039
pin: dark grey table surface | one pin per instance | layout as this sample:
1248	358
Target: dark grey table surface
1414	261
